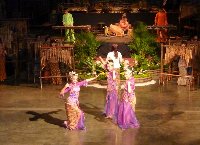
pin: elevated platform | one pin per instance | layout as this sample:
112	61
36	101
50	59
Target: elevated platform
113	39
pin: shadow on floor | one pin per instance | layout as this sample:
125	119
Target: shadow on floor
46	117
93	110
170	114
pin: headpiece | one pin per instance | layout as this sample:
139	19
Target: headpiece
126	62
128	71
72	73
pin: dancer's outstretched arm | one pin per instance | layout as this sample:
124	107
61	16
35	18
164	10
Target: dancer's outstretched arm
91	79
102	61
62	92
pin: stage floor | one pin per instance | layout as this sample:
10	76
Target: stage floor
169	115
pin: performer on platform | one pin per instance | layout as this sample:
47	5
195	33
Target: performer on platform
68	21
2	61
126	117
124	24
75	116
161	20
121	28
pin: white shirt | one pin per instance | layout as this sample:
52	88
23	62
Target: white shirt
116	61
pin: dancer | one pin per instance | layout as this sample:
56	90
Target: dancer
75	116
126	117
68	21
112	95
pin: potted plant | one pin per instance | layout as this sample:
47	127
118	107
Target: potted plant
145	49
85	51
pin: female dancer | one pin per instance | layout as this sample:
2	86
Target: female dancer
75	116
112	93
126	117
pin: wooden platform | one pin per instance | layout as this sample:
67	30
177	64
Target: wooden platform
113	39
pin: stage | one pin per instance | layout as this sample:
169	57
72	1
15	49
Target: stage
169	115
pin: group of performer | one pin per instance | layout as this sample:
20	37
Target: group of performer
122	28
119	108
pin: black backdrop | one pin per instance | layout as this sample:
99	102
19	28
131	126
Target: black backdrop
111	18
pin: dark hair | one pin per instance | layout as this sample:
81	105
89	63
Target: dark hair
66	10
123	17
114	48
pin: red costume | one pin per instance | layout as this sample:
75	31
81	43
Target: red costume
161	20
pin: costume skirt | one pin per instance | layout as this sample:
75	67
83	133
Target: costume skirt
126	117
111	104
75	117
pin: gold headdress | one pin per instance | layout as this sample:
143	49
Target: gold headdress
72	73
128	71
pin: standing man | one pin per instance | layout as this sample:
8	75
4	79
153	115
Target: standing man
161	20
117	59
68	21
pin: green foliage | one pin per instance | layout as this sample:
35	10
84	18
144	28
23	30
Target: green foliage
145	48
143	75
85	50
122	75
83	76
99	69
102	76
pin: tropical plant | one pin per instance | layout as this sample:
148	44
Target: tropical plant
85	51
145	48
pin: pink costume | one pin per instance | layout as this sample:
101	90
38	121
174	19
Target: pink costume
126	117
111	97
75	116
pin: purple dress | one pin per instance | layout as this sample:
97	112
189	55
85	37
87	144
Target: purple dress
75	116
126	117
111	97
